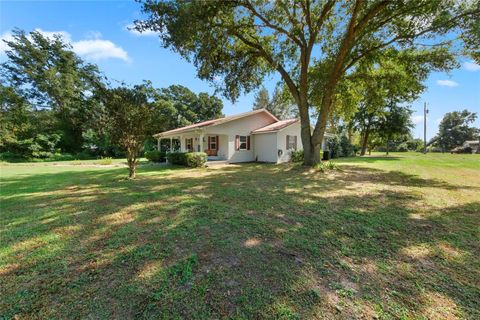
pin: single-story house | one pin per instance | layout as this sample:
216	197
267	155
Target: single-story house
474	144
251	136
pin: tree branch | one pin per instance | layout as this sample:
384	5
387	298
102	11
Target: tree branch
279	29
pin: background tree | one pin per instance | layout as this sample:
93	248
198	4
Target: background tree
131	117
243	40
393	77
49	75
455	128
279	105
395	123
184	107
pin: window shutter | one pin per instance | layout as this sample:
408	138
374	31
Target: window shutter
286	145
237	142
208	143
217	143
248	142
295	139
186	144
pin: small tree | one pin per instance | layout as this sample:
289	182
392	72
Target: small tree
131	115
396	122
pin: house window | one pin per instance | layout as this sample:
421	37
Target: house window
189	144
291	142
213	143
242	143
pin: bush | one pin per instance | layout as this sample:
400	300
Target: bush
296	156
326	165
155	156
402	147
346	148
177	158
334	146
105	161
190	159
196	159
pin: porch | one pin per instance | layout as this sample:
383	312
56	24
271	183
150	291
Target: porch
213	144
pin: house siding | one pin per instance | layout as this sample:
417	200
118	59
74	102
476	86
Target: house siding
242	127
266	147
291	130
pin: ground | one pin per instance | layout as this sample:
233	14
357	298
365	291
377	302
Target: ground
385	237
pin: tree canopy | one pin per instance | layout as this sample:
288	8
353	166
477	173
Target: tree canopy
49	75
456	128
242	41
186	107
278	104
53	102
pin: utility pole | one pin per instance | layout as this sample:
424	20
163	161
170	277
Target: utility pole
425	112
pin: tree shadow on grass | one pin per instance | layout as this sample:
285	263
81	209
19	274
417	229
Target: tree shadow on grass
253	241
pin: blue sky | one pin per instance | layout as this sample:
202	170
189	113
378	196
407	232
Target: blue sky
97	31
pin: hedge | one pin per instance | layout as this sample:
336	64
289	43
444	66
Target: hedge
155	156
190	159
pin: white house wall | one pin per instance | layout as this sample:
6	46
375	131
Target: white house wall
291	130
266	147
242	127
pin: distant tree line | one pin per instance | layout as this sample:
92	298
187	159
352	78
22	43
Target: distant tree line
55	105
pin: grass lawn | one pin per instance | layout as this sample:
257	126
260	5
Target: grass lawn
385	237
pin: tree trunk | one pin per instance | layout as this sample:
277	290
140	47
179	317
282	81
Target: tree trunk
132	170
388	144
365	141
132	163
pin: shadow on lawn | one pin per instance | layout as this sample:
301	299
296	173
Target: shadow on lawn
248	241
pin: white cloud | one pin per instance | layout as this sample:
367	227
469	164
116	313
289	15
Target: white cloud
146	33
417	119
5	36
99	49
447	83
471	66
93	48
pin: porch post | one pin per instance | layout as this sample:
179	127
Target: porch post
201	142
158	144
171	144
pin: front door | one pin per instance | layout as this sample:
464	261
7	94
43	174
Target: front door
212	145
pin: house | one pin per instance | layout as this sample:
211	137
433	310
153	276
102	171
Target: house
251	136
474	144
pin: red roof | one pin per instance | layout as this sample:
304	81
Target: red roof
276	126
213	122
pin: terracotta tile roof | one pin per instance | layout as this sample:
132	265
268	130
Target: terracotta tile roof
212	122
276	126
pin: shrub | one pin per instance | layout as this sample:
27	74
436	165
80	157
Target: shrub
196	159
326	165
105	161
296	156
177	158
402	147
346	148
334	146
190	159
155	156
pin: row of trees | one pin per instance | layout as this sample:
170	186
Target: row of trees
51	101
322	50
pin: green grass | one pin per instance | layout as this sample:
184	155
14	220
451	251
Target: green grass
386	237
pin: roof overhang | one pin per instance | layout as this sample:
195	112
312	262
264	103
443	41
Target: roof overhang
211	123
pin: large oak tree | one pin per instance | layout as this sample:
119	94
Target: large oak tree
241	41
